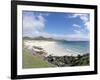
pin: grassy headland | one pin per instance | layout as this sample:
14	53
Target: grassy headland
34	61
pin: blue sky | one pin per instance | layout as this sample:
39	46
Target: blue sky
69	26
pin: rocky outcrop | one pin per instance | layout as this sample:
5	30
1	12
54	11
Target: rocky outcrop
80	60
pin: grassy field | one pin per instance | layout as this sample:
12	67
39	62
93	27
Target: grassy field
31	61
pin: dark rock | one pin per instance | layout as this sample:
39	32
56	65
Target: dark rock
60	61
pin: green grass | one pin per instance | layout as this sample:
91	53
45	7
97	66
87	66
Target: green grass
31	61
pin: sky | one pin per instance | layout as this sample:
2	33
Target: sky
58	25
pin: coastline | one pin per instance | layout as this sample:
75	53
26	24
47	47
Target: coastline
51	55
50	47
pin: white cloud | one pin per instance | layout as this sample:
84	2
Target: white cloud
77	37
77	31
32	24
84	18
77	26
87	24
46	14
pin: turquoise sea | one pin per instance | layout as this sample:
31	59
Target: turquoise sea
82	47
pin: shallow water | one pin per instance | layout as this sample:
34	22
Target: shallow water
75	46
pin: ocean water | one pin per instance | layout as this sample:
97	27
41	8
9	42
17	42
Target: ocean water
81	47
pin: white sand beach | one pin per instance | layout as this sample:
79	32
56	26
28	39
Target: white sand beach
50	47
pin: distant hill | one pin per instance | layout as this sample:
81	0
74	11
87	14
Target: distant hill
41	38
27	38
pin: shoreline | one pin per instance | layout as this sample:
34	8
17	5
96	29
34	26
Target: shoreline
50	47
42	48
